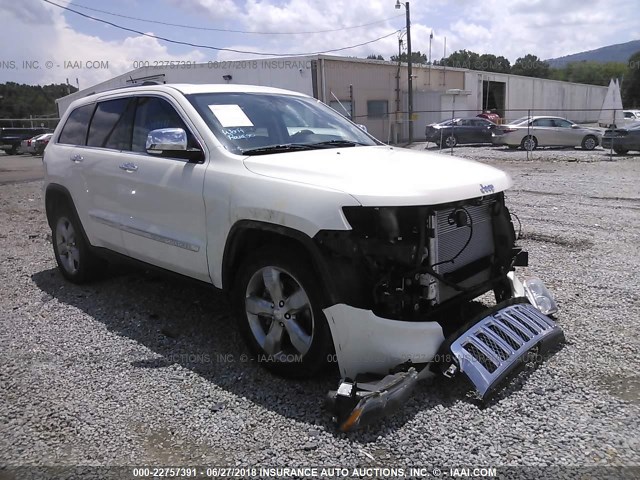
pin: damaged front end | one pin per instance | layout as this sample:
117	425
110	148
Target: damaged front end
407	278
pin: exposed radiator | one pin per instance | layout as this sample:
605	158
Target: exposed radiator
450	239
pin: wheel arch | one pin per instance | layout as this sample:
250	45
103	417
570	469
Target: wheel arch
248	235
55	195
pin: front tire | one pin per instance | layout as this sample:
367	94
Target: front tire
589	142
278	303
620	150
451	141
74	257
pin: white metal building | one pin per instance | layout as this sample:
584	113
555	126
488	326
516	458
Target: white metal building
374	92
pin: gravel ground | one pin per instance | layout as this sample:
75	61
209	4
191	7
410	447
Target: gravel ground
138	369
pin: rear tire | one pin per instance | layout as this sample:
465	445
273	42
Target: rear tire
589	142
620	150
529	143
278	304
74	257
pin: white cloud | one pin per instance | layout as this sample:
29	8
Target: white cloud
213	9
42	35
547	28
543	27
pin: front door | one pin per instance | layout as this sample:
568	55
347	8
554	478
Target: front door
166	224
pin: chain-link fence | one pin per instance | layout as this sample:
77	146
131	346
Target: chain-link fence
45	121
526	129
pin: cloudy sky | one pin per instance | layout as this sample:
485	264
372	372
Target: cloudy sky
62	42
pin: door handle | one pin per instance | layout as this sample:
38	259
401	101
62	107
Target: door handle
76	158
129	167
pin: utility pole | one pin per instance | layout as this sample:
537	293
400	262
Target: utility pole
430	39
409	73
409	69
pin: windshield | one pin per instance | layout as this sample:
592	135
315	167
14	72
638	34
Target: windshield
261	123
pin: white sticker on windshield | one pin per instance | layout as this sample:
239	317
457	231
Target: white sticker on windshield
230	116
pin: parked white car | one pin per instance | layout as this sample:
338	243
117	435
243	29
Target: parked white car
330	244
530	133
631	116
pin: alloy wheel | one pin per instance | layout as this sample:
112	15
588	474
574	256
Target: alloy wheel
279	313
68	250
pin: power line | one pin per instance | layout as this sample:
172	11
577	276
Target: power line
192	27
210	47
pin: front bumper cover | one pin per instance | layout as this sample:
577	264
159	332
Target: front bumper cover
487	350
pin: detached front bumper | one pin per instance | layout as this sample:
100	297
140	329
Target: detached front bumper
487	350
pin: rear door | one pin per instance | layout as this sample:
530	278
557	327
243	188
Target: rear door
464	131
87	190
482	130
106	203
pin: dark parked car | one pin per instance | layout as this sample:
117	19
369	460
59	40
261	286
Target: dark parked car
10	137
460	130
623	139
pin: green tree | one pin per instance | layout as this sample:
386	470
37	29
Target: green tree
593	73
462	59
416	57
630	88
490	63
22	101
486	62
530	66
375	57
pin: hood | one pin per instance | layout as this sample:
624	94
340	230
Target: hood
385	176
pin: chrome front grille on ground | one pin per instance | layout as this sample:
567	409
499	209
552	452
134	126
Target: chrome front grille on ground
502	341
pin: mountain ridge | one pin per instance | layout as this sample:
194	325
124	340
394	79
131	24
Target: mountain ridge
619	52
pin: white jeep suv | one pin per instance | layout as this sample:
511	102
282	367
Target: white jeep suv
331	244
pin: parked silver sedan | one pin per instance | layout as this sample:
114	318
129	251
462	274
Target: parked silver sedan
532	132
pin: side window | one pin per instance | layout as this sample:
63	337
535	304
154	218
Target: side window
562	123
543	122
112	124
74	131
153	113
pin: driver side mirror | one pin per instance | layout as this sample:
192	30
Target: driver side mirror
172	142
575	126
166	140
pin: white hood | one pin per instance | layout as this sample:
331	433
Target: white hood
385	176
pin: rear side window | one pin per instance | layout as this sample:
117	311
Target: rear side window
74	131
112	124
